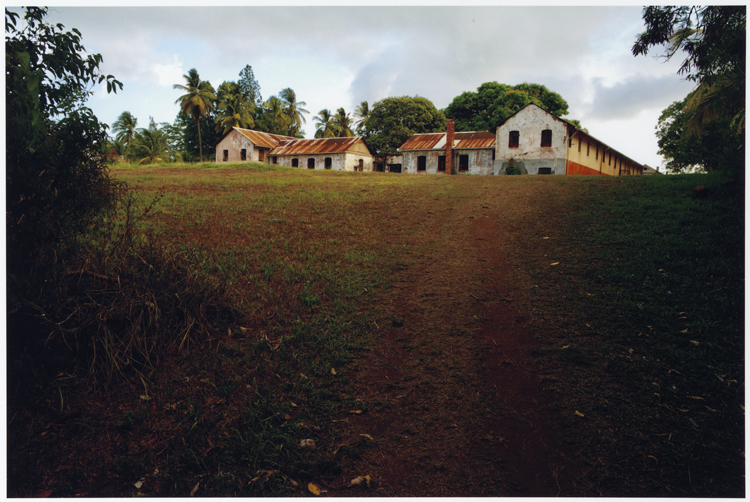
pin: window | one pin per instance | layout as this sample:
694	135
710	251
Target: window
295	162
243	154
378	167
513	139
463	162
421	163
394	168
226	155
274	159
547	138
597	151
441	163
311	163
361	165
579	145
545	170
261	155
328	163
588	147
610	158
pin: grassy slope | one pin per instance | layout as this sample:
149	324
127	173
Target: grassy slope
303	258
650	335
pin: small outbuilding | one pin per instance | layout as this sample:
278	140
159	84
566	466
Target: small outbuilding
338	154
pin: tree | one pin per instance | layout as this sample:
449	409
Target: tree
343	124
714	150
324	125
362	113
493	103
713	39
125	127
150	145
57	183
292	110
235	109
250	87
197	100
393	120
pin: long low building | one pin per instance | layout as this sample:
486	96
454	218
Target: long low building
337	154
531	141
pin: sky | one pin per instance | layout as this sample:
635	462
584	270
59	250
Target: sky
342	54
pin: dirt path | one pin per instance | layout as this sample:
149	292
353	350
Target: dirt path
454	402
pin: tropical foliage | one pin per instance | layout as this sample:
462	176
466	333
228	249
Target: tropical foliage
492	103
713	40
235	109
393	120
56	180
324	124
198	99
293	111
125	128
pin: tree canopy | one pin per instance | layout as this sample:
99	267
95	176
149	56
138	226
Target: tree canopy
713	40
393	120
492	103
198	99
57	185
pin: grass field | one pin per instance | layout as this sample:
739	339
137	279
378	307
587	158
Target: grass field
269	306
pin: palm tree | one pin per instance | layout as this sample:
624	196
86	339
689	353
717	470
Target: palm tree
124	127
150	144
362	112
293	110
235	109
324	124
196	101
275	110
343	124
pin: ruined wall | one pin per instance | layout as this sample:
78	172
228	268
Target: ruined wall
530	122
234	142
480	161
339	161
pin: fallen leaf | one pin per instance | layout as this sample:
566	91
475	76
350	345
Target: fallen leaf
565	346
553	264
43	494
313	488
696	397
684	411
145	397
195	488
139	484
242	329
307	443
294	405
358	481
356	412
287	417
684	331
545	237
276	346
333	371
656	459
711	409
579	414
338	448
367	436
303	375
694	342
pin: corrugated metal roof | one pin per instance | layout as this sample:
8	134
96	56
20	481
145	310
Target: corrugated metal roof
424	141
262	139
320	145
480	139
436	141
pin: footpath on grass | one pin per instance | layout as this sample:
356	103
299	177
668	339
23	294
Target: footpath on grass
453	401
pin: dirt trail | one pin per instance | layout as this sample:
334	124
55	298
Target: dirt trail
454	402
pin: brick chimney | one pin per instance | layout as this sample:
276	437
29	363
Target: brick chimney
449	146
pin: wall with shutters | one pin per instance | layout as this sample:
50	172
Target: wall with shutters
234	142
530	122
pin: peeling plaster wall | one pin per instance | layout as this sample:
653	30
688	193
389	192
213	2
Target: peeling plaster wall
339	161
480	161
234	142
530	122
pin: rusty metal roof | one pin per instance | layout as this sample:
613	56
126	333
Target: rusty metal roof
425	142
320	145
480	139
436	141
262	139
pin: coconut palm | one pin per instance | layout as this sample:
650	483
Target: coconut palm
197	100
324	124
343	124
124	128
235	110
150	145
293	110
362	112
275	110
